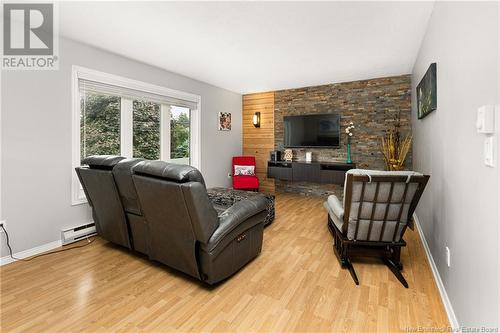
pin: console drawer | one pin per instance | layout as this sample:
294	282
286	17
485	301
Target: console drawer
281	173
332	177
303	172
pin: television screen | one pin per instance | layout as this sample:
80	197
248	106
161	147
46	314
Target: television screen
321	130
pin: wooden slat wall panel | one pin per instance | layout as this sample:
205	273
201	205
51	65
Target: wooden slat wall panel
259	142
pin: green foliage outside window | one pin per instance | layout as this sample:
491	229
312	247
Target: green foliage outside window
100	125
179	136
146	130
100	128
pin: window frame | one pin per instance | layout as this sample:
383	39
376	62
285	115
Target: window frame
78	72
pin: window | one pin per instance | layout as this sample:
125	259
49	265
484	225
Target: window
180	125
146	121
99	125
118	116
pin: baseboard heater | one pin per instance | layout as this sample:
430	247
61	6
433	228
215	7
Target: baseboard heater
74	234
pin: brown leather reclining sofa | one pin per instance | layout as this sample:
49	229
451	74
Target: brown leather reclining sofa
162	210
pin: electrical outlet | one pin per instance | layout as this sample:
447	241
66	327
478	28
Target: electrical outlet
448	256
4	224
229	175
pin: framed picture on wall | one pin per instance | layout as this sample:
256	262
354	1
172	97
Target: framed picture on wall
427	92
224	121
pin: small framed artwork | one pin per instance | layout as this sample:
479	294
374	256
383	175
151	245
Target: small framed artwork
427	92
224	121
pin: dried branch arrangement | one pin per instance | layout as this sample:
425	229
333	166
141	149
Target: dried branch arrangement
394	149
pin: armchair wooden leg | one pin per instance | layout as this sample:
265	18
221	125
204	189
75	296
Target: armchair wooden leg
396	271
347	263
397	257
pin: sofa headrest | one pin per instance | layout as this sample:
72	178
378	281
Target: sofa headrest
102	161
169	171
125	166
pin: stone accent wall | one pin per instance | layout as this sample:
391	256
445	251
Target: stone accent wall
373	105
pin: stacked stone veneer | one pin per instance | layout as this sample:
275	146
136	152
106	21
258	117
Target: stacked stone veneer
372	105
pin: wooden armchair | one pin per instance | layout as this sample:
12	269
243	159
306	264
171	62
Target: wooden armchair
377	208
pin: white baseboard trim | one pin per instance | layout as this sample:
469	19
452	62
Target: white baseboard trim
442	291
31	252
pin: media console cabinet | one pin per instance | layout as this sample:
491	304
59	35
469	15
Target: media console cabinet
314	172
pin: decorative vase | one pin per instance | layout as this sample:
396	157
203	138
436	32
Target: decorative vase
349	160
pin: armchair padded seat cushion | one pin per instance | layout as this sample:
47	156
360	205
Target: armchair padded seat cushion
336	219
335	205
243	182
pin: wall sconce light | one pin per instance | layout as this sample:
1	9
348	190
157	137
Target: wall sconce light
256	119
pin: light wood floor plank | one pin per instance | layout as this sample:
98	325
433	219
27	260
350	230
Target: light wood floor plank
296	284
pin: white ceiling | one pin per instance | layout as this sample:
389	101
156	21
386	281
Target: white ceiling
256	46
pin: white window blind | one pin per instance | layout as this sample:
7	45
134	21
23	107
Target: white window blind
87	86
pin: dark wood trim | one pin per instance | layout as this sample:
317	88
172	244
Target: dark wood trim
402	203
422	183
347	208
359	209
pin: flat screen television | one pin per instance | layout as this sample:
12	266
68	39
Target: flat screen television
318	130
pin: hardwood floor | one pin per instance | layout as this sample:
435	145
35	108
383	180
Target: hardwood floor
296	284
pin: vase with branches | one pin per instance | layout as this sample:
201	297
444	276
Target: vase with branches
394	148
349	131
